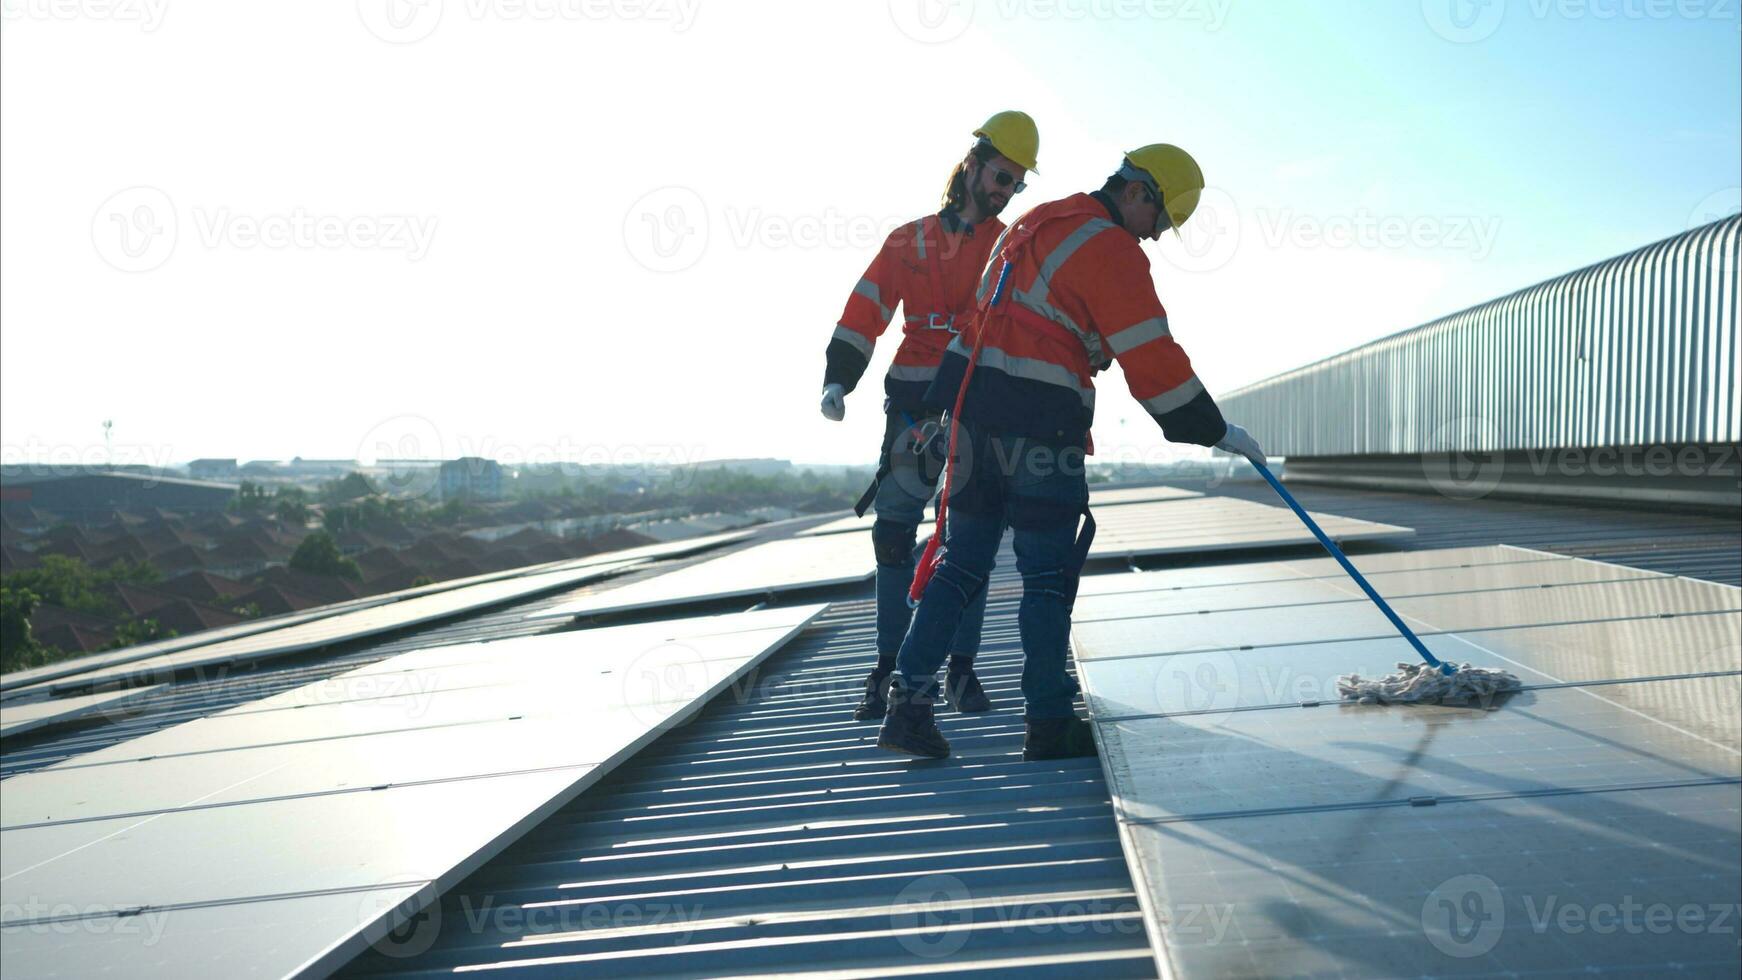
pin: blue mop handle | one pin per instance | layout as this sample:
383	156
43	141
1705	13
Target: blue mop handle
1360	579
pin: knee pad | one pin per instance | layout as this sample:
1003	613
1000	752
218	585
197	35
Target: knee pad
959	578
892	543
1051	583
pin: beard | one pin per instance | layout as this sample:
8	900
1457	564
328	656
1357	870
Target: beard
989	206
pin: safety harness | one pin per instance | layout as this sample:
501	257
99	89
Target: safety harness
933	555
934	266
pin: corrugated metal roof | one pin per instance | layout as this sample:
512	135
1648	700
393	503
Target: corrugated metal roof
772	836
769	835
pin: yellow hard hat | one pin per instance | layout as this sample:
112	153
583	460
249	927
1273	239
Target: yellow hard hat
1014	135
1175	174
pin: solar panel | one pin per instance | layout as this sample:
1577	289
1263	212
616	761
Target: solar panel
1127	624
17	718
1273	828
1217	524
1624	882
348	626
176	820
766	569
1225	680
1098	497
1274	759
17	680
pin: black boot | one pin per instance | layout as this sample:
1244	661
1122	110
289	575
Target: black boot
875	704
1057	738
910	728
962	688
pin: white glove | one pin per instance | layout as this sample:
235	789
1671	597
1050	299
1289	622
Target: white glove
1238	440
834	403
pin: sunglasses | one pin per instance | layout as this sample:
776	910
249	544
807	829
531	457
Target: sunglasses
1004	178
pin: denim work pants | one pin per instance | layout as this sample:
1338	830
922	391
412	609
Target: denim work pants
1039	491
900	506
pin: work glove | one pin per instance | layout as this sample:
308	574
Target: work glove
1238	440
834	402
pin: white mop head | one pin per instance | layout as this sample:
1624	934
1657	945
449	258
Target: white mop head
1418	683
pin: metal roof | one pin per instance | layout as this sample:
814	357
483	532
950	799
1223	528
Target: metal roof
769	835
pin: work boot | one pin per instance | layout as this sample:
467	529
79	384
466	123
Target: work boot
875	704
1057	738
910	728
962	688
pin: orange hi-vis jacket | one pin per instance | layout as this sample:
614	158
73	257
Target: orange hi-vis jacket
1079	297
930	267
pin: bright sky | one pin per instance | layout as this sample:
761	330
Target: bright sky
611	230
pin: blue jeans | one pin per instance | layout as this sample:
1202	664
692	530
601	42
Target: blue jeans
1039	492
900	505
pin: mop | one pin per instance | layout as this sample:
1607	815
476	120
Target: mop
1431	682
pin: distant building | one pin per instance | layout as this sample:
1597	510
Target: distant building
470	478
754	467
92	497
214	469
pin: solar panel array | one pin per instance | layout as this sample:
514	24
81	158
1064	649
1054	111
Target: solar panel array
1274	829
289	833
341	628
762	570
16	682
1098	497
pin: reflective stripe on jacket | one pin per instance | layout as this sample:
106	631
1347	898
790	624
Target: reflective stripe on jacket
1079	297
929	267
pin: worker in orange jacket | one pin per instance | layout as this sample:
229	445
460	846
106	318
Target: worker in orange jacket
1067	293
930	268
